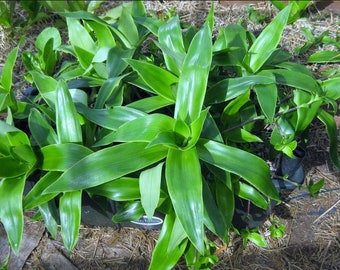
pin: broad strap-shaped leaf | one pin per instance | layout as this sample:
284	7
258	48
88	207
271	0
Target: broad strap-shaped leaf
184	181
122	189
267	41
35	197
7	70
11	212
250	167
68	126
162	258
331	88
233	87
212	215
150	104
267	97
130	212
106	165
329	122
47	87
41	130
60	157
150	186
110	118
116	55
79	36
247	192
324	57
70	217
297	80
170	36
144	129
49	213
194	77
109	90
158	79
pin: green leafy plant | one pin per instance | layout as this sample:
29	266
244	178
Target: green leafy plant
168	128
298	8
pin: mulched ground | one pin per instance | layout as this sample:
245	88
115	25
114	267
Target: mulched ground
312	238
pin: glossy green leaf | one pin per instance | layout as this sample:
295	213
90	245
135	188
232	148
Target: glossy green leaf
127	26
122	189
184	181
103	35
300	81
247	192
305	114
231	88
79	36
13	168
117	55
107	91
11	212
332	132
41	130
212	215
144	129
267	97
150	104
196	127
331	88
159	80
162	258
150	186
237	161
267	41
240	135
106	165
170	35
7	70
60	157
47	87
50	215
70	217
132	211
35	197
178	235
254	237
68	126
46	35
110	118
324	57
194	77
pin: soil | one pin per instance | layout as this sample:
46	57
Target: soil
312	236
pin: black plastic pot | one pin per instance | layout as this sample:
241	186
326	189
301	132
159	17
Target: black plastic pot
288	176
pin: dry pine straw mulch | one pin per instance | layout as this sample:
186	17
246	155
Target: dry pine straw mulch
312	238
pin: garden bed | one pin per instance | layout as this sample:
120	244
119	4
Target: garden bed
312	238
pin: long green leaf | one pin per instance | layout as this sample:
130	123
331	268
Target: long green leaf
11	212
68	126
329	122
249	193
35	197
41	130
49	213
7	70
144	129
60	157
170	35
150	186
267	97
184	181
325	57
47	87
70	217
159	80
122	189
106	165
331	88
194	77
250	167
162	258
110	118
231	88
150	104
267	41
